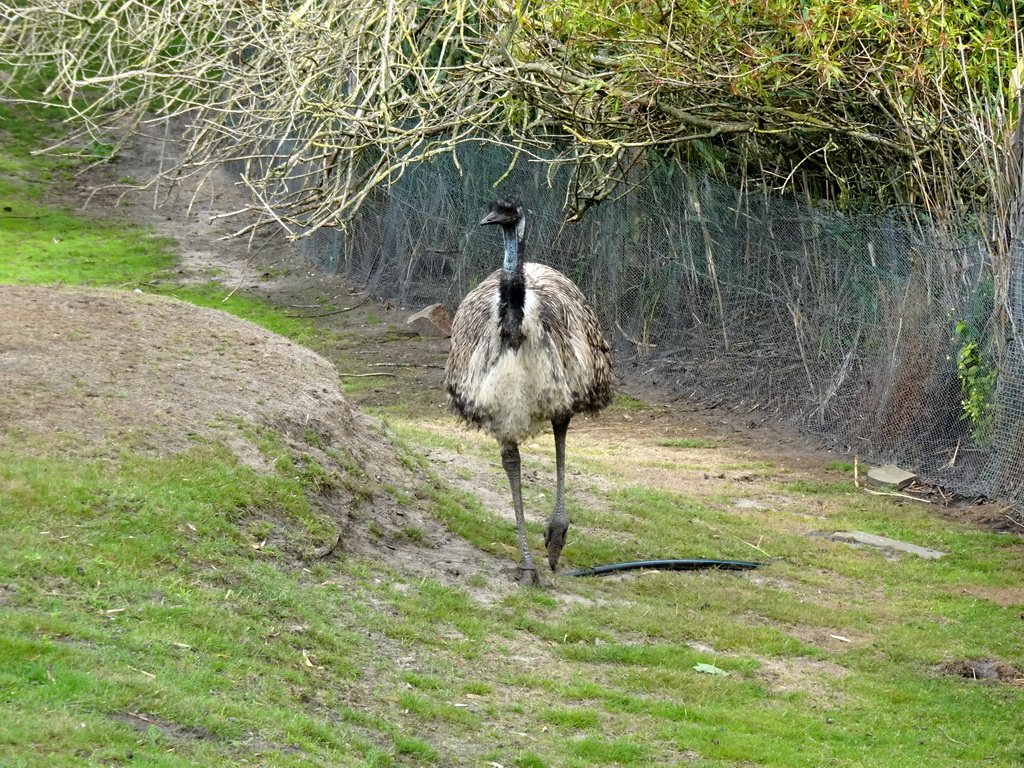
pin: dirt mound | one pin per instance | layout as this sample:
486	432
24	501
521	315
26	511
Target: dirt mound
85	367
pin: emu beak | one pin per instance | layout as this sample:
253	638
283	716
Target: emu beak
493	217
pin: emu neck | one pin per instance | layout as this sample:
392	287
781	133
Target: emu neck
512	291
513	246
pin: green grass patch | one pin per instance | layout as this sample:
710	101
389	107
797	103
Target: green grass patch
598	751
45	244
138	599
463	514
572	718
819	487
49	246
215	296
26	128
840	466
689	442
629	403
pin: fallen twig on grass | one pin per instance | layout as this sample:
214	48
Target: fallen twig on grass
725	533
898	495
950	737
333	311
407	365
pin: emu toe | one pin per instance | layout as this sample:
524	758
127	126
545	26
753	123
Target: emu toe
554	540
528	576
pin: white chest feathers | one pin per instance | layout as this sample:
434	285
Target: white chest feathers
517	392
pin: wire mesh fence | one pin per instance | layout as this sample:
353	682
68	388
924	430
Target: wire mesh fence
872	332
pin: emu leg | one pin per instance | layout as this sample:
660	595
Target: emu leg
558	525
510	461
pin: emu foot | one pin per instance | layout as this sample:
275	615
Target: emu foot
527	576
554	540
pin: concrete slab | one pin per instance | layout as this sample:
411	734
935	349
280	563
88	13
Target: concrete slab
861	537
890	477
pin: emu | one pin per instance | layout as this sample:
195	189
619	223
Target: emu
527	349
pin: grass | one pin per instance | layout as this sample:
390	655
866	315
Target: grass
915	617
144	627
844	467
110	624
689	442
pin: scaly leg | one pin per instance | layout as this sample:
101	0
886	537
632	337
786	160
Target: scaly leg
510	461
558	525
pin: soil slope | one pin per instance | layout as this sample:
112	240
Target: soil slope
91	366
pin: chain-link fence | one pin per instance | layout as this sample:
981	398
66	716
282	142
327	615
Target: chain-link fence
873	332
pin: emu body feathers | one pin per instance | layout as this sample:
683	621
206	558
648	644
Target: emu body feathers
527	350
559	368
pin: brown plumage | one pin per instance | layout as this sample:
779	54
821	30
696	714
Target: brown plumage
527	350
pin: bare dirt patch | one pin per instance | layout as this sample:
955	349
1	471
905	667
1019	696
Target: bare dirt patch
984	670
999	518
1006	597
173	731
810	676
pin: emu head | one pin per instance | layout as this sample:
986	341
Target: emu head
508	212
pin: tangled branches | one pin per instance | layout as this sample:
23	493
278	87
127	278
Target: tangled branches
323	101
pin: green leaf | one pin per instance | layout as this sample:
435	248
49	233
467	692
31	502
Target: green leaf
709	669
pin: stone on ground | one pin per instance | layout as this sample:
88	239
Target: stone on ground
434	320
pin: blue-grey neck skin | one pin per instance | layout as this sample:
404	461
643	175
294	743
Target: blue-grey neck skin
511	249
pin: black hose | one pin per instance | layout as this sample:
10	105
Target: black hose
666	565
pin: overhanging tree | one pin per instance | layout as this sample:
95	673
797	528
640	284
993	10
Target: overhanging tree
325	101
